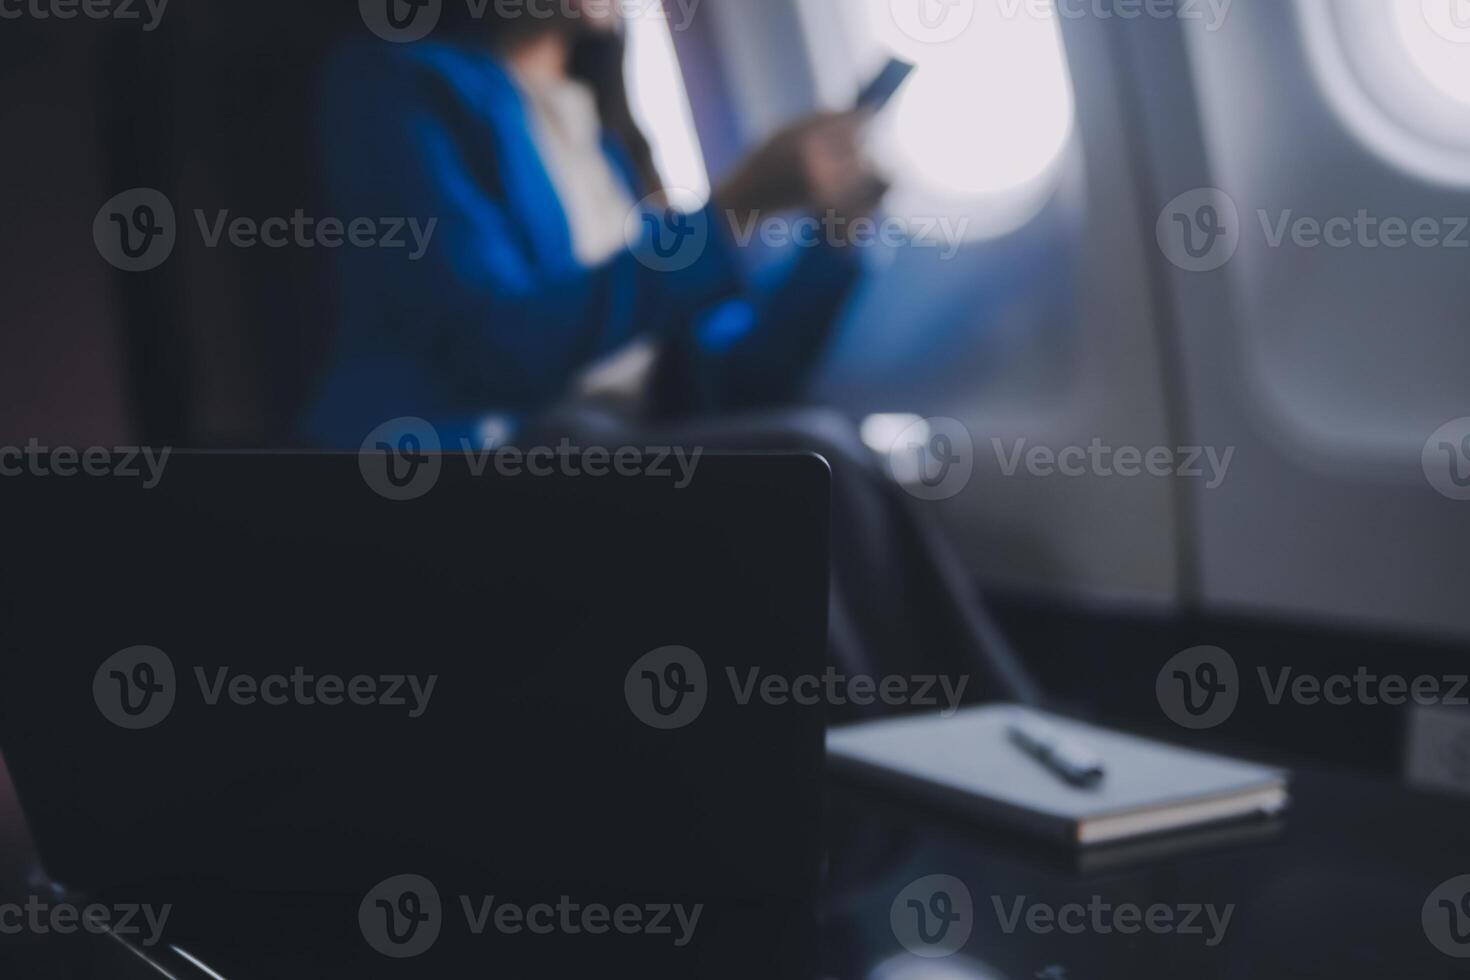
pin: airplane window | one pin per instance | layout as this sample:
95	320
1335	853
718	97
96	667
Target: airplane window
1437	36
1398	72
660	103
982	125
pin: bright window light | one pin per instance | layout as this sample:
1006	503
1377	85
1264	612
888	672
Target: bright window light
990	109
1398	74
1437	36
881	432
660	103
979	132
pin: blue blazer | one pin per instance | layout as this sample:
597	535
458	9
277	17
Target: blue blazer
498	316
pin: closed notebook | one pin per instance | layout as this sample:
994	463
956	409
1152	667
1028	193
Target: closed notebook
969	761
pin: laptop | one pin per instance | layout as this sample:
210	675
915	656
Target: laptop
339	724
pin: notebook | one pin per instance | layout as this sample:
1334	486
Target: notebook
970	761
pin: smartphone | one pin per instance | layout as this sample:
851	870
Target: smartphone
877	93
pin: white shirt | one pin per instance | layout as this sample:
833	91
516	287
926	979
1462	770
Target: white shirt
567	131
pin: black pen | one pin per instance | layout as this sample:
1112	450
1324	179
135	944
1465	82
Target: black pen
1073	762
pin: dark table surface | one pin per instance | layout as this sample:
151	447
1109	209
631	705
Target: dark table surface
1334	889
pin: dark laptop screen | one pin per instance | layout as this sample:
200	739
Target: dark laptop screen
262	676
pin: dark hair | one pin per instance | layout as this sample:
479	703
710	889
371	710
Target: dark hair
597	59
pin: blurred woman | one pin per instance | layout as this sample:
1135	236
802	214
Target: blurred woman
514	132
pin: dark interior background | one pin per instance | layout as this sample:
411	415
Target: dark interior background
218	348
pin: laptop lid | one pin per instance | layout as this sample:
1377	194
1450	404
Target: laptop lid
265	676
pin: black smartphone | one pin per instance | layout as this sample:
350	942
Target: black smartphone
877	93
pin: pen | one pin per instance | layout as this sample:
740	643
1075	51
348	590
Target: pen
1073	762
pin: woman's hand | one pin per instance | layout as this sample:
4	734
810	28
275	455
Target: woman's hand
816	164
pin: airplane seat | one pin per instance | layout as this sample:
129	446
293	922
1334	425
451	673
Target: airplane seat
224	341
